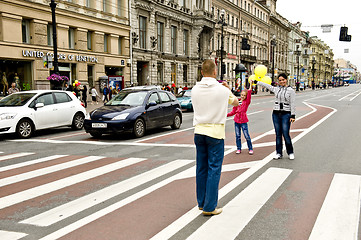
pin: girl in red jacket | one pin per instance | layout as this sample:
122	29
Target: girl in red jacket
240	120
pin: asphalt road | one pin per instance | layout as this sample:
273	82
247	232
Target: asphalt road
66	184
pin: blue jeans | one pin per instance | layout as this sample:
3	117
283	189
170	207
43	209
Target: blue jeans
282	124
210	153
244	127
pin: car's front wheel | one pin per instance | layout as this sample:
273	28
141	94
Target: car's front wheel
139	128
25	128
78	121
177	121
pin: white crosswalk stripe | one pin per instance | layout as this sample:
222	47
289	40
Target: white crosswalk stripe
47	170
6	235
239	211
340	212
15	155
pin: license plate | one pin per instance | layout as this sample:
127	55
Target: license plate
99	125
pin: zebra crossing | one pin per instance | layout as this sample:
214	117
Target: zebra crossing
80	216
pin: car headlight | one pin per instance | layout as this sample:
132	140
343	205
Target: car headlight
7	116
121	116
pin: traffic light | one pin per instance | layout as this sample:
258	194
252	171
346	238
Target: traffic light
245	45
344	36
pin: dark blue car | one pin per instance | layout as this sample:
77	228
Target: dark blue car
135	110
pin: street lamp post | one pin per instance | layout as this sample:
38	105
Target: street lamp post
222	22
313	72
55	42
298	53
273	44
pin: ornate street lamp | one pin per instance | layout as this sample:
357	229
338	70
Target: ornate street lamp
55	41
313	72
298	53
273	44
222	22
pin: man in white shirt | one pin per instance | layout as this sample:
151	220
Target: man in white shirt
210	101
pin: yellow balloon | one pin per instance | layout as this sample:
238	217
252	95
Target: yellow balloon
266	79
76	81
252	77
260	71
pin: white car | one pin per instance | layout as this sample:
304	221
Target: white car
25	112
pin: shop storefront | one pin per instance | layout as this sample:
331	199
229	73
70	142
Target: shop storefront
17	71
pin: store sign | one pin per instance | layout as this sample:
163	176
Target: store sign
61	56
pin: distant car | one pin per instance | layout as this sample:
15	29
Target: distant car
135	110
185	100
24	112
346	84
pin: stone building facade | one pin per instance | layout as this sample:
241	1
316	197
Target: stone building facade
170	40
92	39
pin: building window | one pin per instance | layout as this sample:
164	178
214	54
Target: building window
142	31
120	46
89	40
50	34
106	43
160	35
182	3
159	73
174	39
121	7
185	42
26	30
89	3
185	73
71	35
105	5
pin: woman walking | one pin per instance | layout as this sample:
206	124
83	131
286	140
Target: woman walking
284	113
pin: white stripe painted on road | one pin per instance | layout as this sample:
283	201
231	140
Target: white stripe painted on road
69	135
6	235
15	155
66	210
47	170
340	212
355	96
65	182
27	163
240	210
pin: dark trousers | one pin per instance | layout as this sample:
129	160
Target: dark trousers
282	125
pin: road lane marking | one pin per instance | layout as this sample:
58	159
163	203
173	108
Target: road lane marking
47	170
64	182
15	155
6	235
69	135
27	163
66	210
355	96
241	209
340	212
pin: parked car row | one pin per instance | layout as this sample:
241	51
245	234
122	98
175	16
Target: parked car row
134	110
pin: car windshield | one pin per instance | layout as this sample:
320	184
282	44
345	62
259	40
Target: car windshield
128	98
18	99
187	94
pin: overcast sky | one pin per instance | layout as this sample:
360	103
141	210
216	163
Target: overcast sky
314	13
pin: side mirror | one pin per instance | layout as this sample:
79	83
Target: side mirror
39	105
152	103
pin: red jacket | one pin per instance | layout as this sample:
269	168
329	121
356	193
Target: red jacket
240	112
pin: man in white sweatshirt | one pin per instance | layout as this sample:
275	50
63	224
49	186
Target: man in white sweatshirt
210	101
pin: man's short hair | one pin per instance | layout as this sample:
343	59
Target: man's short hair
208	67
284	75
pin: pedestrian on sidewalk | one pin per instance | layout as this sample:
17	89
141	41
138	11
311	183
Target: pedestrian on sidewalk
241	120
84	96
209	120
284	113
95	95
